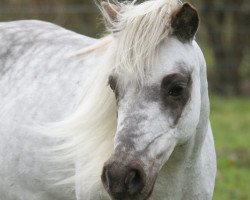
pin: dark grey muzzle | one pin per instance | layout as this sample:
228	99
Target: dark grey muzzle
123	181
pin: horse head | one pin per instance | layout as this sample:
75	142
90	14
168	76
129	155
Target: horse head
156	82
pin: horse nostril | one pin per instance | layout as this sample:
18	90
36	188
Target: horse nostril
134	182
105	178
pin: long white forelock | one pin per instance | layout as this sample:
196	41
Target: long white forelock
138	30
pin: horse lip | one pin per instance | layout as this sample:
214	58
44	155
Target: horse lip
140	196
137	198
148	195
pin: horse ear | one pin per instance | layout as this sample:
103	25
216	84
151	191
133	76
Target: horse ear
110	12
185	22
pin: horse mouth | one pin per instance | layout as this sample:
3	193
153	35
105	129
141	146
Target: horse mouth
138	197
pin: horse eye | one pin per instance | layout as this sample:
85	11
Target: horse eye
176	91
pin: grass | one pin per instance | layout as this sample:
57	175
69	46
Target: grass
230	119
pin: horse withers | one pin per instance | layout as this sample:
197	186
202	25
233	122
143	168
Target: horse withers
126	117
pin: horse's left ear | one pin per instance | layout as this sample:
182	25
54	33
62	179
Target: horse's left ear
185	22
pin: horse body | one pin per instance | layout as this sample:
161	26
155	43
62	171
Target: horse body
147	136
36	72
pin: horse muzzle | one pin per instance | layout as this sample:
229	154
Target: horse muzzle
127	180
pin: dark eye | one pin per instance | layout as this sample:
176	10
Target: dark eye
176	91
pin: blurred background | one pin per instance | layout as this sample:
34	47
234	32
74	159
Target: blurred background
224	37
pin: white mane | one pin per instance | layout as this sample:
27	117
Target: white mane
139	29
88	133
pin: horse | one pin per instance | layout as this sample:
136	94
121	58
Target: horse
124	117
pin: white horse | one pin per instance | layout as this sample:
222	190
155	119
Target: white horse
126	118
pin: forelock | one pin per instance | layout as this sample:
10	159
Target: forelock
138	31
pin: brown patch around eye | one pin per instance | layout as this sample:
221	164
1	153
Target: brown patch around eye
175	93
